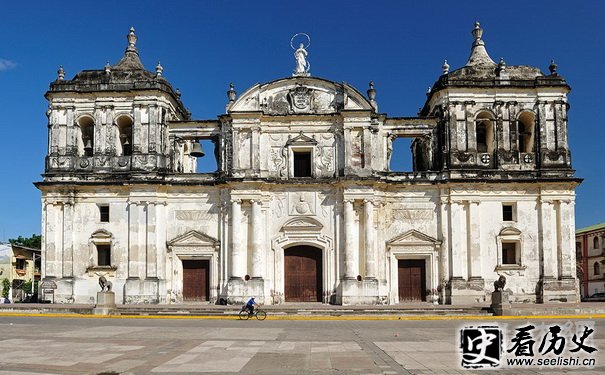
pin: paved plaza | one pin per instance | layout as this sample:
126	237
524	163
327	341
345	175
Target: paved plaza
50	345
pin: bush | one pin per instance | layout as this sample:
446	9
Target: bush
6	286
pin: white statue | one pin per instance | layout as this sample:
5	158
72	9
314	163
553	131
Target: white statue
302	66
300	54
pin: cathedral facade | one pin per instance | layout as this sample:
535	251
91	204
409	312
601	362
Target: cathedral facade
303	206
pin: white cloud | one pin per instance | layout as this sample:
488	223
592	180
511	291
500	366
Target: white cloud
6	64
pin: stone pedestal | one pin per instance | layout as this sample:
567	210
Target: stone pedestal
499	302
106	303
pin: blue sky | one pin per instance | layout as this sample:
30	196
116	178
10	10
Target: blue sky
400	45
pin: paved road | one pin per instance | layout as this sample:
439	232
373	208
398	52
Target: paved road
45	345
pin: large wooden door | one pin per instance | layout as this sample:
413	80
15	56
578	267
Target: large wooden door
196	280
411	280
302	274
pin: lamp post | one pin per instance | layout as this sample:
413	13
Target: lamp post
34	256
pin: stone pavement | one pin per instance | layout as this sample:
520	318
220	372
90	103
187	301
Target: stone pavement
46	345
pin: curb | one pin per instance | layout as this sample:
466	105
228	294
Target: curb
311	317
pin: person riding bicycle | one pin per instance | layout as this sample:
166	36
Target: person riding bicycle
250	305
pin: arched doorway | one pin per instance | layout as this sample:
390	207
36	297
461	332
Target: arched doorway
303	274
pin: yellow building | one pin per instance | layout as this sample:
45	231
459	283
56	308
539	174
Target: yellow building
19	264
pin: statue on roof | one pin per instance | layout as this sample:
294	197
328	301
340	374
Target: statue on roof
300	54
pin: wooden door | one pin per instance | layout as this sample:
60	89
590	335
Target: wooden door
196	280
302	274
411	280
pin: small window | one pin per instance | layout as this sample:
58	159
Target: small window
302	164
507	212
104	255
595	242
481	137
578	250
20	265
597	269
104	211
509	253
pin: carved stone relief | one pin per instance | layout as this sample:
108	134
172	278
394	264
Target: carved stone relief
301	203
325	155
412	214
278	161
191	215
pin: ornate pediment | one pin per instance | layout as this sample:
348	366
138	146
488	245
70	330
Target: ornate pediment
301	139
510	231
101	234
413	238
302	224
194	238
300	95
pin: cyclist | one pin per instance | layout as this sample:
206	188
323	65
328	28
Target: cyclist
250	305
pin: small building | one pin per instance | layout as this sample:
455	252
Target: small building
19	264
590	256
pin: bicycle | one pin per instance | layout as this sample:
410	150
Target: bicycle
244	314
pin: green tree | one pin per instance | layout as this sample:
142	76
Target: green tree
35	241
6	285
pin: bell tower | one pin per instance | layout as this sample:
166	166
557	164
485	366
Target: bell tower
112	119
496	117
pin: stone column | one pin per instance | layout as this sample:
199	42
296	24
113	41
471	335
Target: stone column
458	248
53	240
549	255
371	270
68	232
445	250
567	249
151	250
351	255
133	240
474	234
257	245
238	265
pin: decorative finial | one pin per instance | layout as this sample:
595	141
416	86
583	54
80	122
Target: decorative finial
372	95
107	68
445	68
477	32
231	94
371	91
479	55
158	70
300	54
178	93
553	68
501	64
428	91
132	40
60	73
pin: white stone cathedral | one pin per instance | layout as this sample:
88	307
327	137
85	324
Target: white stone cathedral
303	206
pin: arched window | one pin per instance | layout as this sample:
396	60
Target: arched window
87	136
597	269
124	143
484	132
525	129
595	242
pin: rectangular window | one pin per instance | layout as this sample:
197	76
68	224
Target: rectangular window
507	212
20	264
104	211
509	253
103	255
302	164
